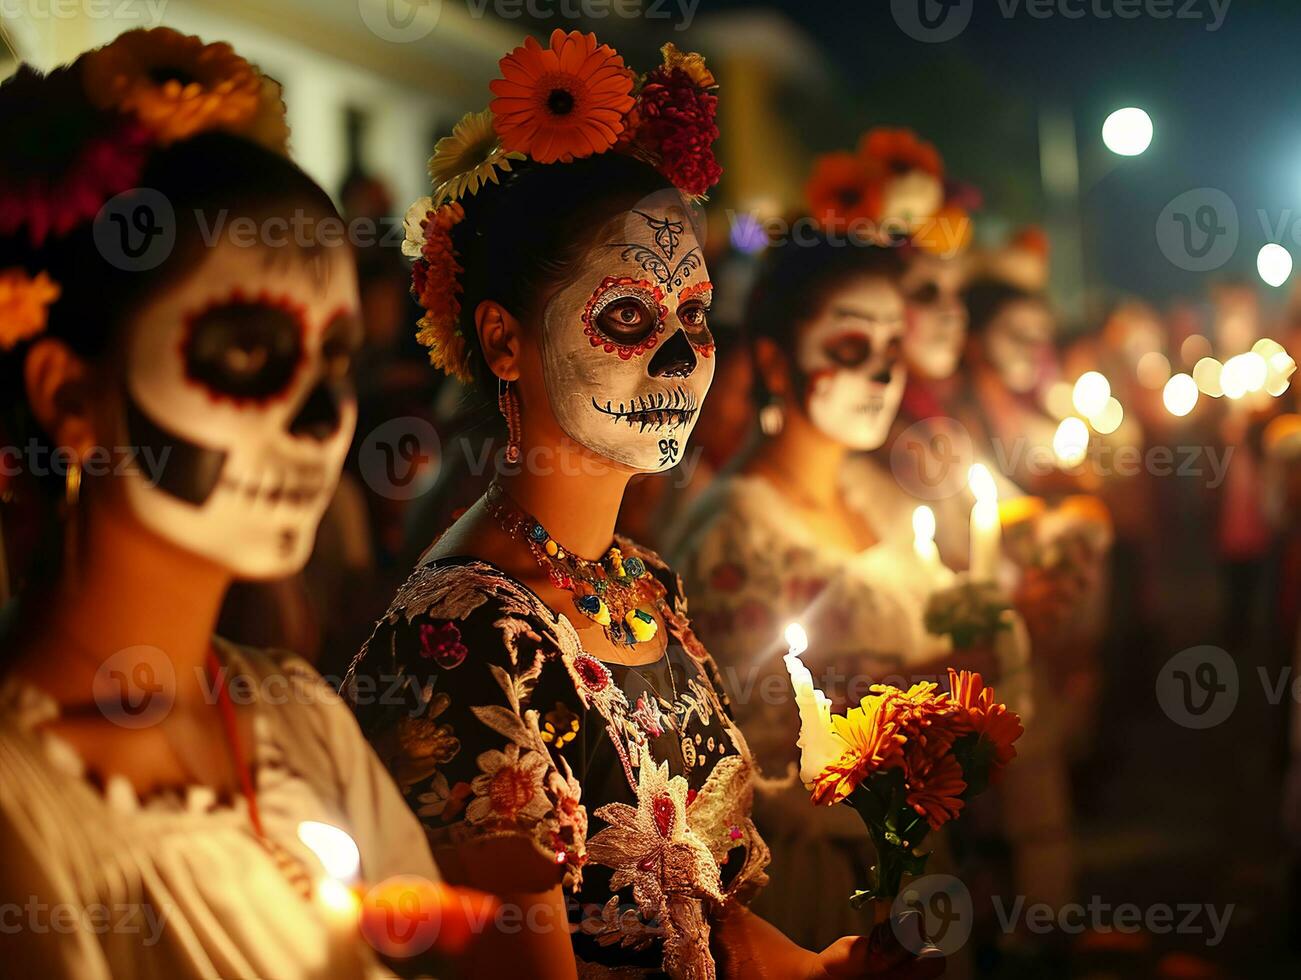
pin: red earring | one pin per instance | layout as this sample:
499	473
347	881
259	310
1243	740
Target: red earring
508	405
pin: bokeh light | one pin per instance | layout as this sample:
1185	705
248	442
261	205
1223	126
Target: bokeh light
1180	395
1127	132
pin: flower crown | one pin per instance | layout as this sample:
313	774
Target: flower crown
895	182
570	100
83	133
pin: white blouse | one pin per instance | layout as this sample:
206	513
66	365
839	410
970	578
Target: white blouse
103	884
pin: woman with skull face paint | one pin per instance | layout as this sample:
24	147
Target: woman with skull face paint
154	780
778	540
572	749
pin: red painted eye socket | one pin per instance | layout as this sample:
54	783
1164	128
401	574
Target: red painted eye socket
245	349
848	349
694	304
625	316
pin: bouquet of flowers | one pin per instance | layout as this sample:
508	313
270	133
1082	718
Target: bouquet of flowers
907	761
970	613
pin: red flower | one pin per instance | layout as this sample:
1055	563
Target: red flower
442	644
62	157
675	124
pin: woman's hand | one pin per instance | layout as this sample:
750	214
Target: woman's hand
879	956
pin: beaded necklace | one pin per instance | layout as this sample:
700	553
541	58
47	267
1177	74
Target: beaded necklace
615	592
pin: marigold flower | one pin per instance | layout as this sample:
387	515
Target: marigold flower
871	730
981	714
562	102
24	305
436	285
173	83
936	791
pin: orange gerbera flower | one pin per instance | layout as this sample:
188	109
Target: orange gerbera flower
24	305
980	713
872	733
896	151
936	792
842	188
563	102
173	83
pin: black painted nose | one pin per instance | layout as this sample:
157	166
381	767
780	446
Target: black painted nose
674	359
319	417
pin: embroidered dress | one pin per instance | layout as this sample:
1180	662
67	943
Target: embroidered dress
177	884
751	569
634	778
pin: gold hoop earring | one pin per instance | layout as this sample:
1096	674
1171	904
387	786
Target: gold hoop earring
508	405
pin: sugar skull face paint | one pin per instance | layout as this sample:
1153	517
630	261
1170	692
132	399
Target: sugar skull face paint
627	352
937	318
240	374
851	358
1018	343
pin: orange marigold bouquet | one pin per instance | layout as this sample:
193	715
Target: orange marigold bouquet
907	761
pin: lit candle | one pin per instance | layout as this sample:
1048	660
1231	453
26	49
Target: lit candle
924	536
337	899
819	745
986	531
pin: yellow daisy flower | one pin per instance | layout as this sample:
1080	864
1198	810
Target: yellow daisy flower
469	158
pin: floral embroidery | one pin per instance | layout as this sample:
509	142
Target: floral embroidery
647	714
442	643
425	743
652	848
561	726
509	789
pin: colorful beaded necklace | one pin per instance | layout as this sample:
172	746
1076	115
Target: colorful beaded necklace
616	593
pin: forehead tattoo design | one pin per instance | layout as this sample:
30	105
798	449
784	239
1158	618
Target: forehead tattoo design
649	308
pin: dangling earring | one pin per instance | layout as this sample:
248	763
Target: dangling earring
71	515
772	417
508	405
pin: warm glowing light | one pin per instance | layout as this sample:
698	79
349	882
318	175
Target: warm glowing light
1242	374
1207	374
1057	399
1108	420
1180	395
923	524
1153	369
336	851
1281	368
1267	347
981	482
1274	263
1071	441
1090	393
338	897
1127	132
796	639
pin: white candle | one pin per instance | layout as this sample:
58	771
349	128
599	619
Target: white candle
986	531
337	900
819	745
924	537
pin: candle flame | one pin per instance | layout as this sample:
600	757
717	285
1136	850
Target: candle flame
981	482
924	524
796	639
336	851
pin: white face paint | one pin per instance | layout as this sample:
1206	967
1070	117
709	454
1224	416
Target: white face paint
937	318
850	358
627	353
1018	343
239	374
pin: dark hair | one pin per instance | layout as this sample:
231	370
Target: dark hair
520	241
795	280
986	298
